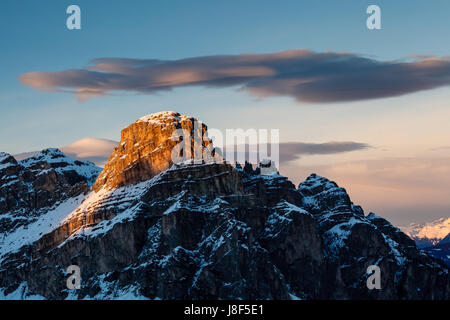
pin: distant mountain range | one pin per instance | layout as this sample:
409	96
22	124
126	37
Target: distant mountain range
433	237
428	234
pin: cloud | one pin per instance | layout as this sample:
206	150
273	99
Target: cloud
304	75
289	151
293	150
91	149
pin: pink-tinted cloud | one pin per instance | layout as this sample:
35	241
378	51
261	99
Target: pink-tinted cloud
302	74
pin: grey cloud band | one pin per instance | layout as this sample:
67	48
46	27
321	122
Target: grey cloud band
305	75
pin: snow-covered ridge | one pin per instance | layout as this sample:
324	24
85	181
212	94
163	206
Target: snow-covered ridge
163	117
4	156
21	293
47	222
433	231
72	208
315	182
6	160
50	155
63	164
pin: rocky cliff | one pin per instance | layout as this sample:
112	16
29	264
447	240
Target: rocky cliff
31	187
154	229
147	147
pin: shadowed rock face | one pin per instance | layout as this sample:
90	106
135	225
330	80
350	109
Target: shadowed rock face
30	186
146	147
212	231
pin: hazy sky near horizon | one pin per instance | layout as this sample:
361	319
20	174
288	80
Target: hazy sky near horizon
403	176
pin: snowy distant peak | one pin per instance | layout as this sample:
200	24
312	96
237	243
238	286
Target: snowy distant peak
50	155
437	229
432	237
428	233
164	117
56	159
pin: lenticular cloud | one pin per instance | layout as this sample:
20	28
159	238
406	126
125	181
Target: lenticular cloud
305	75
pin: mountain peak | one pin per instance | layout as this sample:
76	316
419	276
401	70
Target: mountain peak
163	117
53	158
146	148
4	156
31	186
47	155
315	184
6	160
321	195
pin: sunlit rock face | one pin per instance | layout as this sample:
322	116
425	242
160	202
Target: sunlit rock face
149	145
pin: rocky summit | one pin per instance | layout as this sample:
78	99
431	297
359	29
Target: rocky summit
146	148
150	228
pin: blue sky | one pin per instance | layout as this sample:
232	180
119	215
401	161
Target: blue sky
35	38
